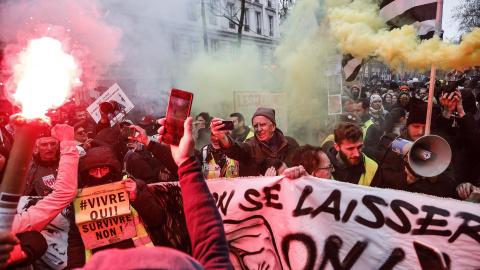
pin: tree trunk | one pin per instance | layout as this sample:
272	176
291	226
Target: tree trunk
204	24
240	24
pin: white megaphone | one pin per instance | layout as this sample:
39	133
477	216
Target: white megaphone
428	156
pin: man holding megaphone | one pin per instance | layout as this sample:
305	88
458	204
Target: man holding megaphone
414	162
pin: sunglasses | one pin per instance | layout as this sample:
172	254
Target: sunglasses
82	132
103	170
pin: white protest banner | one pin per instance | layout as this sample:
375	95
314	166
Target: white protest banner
312	223
248	102
114	93
103	215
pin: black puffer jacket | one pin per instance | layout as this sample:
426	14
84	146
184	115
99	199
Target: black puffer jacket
393	175
136	165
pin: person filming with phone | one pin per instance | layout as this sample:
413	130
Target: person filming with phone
268	142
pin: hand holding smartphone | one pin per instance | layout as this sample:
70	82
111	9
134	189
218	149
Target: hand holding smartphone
228	125
178	110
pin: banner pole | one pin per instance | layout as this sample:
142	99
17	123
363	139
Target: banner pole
438	30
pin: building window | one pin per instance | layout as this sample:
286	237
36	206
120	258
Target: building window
270	22
269	3
211	14
191	11
230	9
257	1
258	16
246	21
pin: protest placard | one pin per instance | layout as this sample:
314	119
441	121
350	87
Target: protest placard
103	215
114	93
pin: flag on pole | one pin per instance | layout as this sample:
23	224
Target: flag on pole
419	13
351	65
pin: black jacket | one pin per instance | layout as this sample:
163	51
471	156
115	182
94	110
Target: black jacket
253	152
393	175
136	165
371	141
348	174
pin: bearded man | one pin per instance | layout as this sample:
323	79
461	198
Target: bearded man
350	164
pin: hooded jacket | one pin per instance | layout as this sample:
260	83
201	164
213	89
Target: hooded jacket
136	165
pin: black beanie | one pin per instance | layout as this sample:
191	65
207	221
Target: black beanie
417	113
267	112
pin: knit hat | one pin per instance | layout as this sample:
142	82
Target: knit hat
267	112
351	118
404	87
374	98
98	157
147	120
417	113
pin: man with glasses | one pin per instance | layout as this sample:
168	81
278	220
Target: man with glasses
81	138
349	163
314	160
268	142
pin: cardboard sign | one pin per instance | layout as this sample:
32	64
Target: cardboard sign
113	93
103	215
248	102
312	223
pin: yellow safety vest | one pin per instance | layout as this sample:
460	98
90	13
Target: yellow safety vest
212	171
370	170
330	138
141	240
365	127
249	135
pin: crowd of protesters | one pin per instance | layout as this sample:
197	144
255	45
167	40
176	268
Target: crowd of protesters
356	148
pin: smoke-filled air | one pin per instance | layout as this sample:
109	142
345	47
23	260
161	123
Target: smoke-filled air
138	41
359	30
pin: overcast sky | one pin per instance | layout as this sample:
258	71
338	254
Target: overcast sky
449	25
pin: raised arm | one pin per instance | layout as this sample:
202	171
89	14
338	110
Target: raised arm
64	191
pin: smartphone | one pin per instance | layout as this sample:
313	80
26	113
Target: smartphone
178	110
429	257
228	125
128	132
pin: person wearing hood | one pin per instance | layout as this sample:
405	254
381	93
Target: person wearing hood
349	163
100	166
131	162
377	112
268	142
394	172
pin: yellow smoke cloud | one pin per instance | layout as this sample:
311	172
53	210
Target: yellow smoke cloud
360	31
